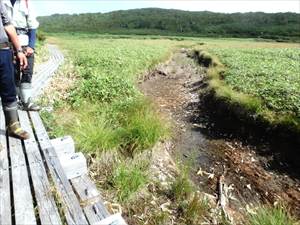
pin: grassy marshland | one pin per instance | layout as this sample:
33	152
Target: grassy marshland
112	121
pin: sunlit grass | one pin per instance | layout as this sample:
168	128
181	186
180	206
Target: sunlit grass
269	93
129	178
266	215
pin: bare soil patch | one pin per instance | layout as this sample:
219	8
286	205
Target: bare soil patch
175	87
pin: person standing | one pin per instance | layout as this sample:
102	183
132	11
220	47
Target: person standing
7	84
26	24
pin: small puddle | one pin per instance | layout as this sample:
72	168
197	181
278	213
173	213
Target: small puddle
174	87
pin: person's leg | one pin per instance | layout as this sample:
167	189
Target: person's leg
26	86
8	95
7	83
27	72
17	72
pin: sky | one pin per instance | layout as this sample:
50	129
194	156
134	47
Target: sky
48	7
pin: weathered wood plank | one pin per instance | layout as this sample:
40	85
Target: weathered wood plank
46	72
5	204
90	198
73	212
42	83
45	75
48	212
23	202
115	219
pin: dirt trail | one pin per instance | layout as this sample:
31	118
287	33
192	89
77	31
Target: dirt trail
174	87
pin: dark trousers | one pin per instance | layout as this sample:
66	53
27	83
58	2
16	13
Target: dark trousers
7	84
24	76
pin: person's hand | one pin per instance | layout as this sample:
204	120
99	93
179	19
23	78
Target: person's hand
29	51
23	60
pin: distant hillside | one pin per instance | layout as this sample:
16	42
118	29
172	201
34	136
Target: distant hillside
177	22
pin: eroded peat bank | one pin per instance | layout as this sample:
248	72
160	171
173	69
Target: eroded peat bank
250	167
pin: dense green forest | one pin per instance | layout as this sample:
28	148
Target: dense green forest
177	22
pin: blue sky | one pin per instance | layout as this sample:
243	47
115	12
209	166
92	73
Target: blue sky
48	7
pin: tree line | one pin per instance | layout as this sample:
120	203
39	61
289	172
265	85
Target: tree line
177	22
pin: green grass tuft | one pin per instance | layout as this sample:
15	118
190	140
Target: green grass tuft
130	126
193	210
128	179
140	126
182	187
191	206
266	215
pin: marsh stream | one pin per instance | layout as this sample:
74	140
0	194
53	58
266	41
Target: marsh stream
252	172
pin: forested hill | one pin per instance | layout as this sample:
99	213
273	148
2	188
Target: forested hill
177	22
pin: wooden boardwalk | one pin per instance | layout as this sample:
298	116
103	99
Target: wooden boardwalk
45	71
33	186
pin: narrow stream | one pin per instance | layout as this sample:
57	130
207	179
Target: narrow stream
174	87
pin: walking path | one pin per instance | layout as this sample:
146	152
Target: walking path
45	71
34	188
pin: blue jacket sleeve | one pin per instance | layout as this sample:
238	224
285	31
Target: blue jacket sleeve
32	38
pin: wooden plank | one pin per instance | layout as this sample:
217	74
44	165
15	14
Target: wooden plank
73	212
23	203
45	73
44	79
5	204
90	198
48	212
115	219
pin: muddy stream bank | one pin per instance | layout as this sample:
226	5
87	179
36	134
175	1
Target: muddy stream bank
253	174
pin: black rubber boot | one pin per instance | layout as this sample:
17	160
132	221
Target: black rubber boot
13	126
